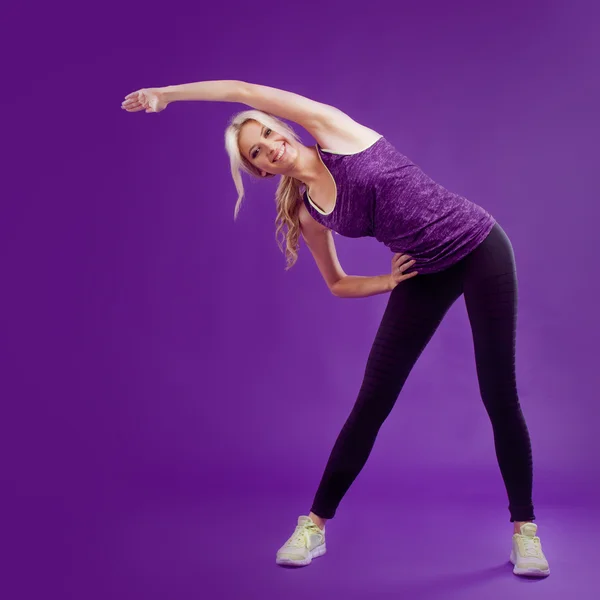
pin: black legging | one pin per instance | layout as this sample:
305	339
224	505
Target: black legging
487	278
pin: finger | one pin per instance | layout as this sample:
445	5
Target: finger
407	265
131	104
409	275
401	258
405	277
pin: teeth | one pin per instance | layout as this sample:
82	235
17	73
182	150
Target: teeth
279	154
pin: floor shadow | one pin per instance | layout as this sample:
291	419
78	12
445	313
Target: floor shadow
437	586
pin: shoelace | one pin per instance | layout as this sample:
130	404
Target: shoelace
300	536
532	546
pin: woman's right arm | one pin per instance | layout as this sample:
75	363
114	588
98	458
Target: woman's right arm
320	242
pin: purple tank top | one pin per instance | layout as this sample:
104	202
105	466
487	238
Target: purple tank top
383	194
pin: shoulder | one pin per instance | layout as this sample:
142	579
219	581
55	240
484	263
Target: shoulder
307	222
340	133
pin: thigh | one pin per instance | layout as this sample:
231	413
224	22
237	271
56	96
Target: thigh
490	289
413	313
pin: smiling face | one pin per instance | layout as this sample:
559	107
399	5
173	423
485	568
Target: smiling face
262	146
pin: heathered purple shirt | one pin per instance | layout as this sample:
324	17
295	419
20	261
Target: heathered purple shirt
383	194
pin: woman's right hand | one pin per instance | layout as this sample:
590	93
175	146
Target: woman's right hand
400	263
148	99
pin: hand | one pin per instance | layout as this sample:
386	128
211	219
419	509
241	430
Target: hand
400	263
148	99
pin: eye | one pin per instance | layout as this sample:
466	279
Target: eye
267	132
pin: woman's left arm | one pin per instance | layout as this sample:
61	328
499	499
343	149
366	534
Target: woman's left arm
310	114
314	116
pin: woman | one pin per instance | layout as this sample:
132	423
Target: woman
444	246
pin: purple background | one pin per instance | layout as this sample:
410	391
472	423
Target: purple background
171	394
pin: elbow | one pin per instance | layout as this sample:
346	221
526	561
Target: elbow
240	92
334	288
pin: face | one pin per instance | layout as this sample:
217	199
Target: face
261	147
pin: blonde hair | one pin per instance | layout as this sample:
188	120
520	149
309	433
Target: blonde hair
289	190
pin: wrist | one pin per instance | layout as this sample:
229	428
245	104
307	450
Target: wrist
167	93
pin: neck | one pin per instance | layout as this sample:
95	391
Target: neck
308	168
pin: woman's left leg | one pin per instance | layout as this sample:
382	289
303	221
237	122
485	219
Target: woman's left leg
490	290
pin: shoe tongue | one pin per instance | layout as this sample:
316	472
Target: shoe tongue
304	520
528	529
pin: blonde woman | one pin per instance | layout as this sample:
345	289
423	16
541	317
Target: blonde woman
354	182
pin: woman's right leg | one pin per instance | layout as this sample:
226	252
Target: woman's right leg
415	309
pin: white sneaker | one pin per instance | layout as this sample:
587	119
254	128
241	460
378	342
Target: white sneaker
307	542
526	553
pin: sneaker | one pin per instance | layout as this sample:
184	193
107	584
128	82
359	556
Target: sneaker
526	553
307	542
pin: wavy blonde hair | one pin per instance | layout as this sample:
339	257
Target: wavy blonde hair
289	190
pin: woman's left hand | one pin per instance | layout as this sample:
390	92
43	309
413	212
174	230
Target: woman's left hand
148	99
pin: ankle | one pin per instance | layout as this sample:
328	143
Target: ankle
517	525
318	521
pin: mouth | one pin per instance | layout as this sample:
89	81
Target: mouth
280	153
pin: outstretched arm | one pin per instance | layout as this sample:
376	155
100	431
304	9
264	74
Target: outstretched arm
310	114
314	116
226	90
281	103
